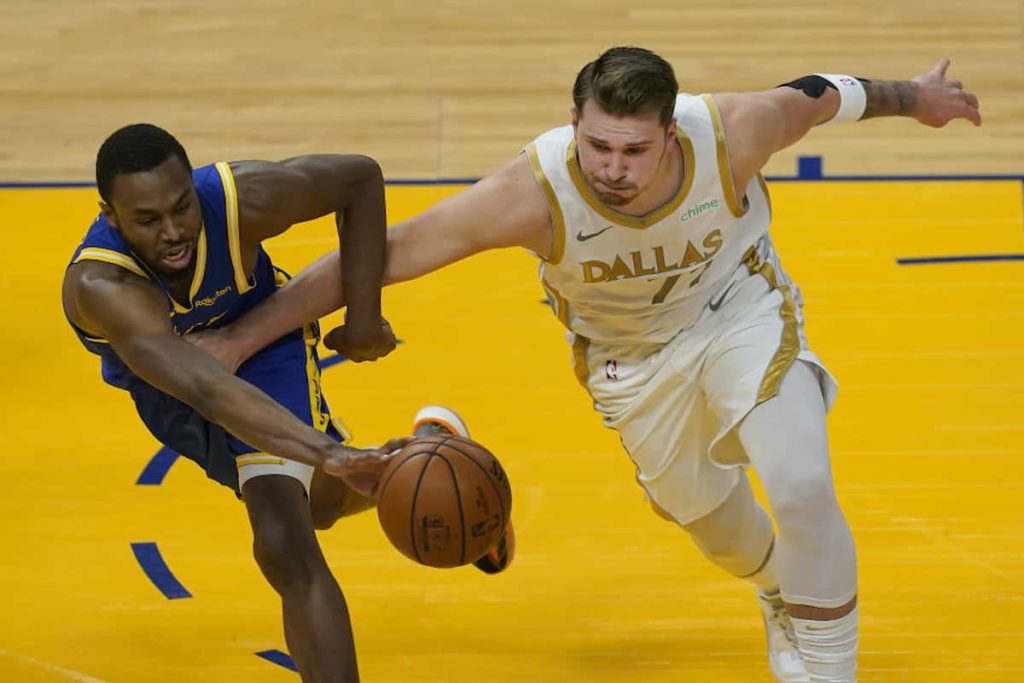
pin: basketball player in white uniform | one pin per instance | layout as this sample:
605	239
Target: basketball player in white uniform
651	222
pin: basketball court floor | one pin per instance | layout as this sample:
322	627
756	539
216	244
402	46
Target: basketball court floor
121	567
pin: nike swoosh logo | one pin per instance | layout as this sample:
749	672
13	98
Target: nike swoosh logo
715	305
580	237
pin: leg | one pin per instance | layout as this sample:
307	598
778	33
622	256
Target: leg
330	499
738	537
316	620
786	441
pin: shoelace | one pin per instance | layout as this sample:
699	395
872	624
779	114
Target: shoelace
778	616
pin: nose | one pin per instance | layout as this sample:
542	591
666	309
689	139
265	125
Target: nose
172	231
616	169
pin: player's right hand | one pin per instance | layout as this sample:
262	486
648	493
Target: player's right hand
362	342
361	468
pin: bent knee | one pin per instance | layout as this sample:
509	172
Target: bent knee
806	505
287	565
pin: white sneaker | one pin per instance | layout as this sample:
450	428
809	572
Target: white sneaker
432	420
783	654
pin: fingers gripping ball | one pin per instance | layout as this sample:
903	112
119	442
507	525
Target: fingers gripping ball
443	501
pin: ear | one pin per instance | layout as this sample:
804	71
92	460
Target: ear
108	212
575	114
673	129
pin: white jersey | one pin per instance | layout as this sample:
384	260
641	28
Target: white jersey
616	278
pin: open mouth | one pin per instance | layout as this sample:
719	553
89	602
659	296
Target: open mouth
178	257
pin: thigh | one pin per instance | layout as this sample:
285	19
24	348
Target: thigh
667	430
330	499
280	517
287	371
786	439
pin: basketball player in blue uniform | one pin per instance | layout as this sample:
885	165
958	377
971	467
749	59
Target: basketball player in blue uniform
650	218
176	250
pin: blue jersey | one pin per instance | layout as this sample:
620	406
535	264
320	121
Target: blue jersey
220	291
286	370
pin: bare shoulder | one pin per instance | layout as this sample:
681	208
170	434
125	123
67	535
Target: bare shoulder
254	179
741	109
96	293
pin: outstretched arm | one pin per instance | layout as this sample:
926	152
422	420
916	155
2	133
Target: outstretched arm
274	196
132	315
759	124
505	209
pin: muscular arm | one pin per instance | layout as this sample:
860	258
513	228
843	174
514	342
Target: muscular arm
505	209
132	315
759	124
274	196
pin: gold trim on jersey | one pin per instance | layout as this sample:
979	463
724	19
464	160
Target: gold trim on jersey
197	274
98	340
789	344
724	166
620	218
767	197
580	346
231	215
560	305
557	219
113	257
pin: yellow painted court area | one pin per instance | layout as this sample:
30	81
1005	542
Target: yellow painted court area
926	436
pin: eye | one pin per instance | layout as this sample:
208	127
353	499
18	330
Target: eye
635	151
147	221
183	207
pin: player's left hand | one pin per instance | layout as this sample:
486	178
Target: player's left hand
362	342
221	345
941	100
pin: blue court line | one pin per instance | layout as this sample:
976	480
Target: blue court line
157	468
925	260
279	658
809	168
152	563
331	361
63	184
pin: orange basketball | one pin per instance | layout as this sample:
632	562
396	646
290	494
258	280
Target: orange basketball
444	500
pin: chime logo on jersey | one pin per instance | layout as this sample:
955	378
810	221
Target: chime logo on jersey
651	261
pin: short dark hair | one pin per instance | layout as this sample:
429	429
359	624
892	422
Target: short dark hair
134	149
625	81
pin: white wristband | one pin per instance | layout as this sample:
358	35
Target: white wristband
853	99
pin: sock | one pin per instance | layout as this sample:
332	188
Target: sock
829	648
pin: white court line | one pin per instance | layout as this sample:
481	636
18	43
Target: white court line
52	668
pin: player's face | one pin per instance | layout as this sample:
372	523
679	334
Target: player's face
158	214
620	156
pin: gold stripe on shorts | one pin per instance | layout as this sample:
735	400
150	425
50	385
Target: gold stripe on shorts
789	344
257	459
580	345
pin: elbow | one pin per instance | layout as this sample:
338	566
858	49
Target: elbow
364	169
